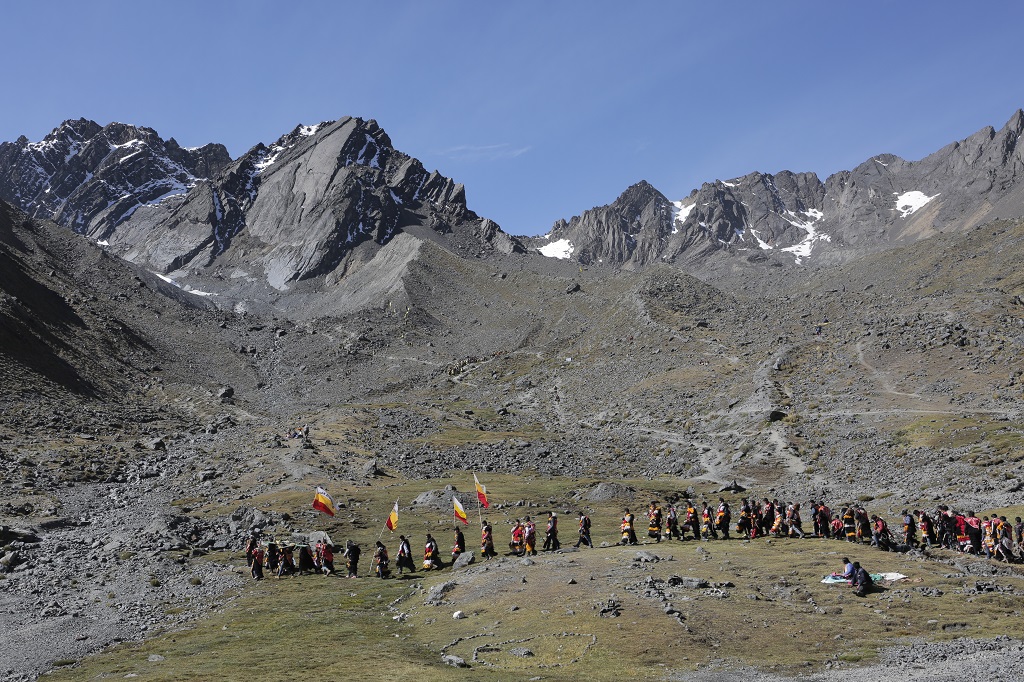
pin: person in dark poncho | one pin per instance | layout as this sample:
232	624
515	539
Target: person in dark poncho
862	582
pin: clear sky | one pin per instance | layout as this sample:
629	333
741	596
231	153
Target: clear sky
542	109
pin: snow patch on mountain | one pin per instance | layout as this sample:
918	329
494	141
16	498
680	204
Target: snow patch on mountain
808	222
562	248
909	203
680	213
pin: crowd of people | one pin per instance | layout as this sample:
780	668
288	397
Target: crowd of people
994	537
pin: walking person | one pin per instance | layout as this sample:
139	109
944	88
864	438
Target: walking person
584	532
551	542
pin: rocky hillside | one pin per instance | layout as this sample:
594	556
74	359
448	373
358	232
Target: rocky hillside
788	218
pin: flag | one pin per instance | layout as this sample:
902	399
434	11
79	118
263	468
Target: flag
481	492
392	522
323	502
460	513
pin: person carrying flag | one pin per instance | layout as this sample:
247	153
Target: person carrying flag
487	540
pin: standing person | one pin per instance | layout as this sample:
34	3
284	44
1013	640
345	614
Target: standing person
287	563
518	543
723	516
530	536
743	525
460	544
352	553
487	540
431	554
273	557
326	557
972	524
381	560
250	547
824	519
628	533
927	527
707	530
307	561
880	533
654	521
692	520
794	521
863	524
404	560
257	563
585	532
767	517
672	523
850	523
909	529
551	535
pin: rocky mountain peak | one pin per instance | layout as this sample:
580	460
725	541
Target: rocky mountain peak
795	218
92	178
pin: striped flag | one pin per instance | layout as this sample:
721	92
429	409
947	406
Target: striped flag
460	513
481	492
323	502
392	522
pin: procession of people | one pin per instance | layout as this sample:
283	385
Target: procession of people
992	536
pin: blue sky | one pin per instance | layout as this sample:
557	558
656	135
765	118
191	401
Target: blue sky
542	109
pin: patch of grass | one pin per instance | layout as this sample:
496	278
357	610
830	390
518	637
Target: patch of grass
773	617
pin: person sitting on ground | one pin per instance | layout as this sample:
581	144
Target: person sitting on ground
862	582
848	570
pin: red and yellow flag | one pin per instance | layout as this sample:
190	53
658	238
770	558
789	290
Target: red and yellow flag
323	502
460	513
392	522
481	492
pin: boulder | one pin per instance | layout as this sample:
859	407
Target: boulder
464	560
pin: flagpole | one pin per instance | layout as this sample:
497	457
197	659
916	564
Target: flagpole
386	523
479	502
